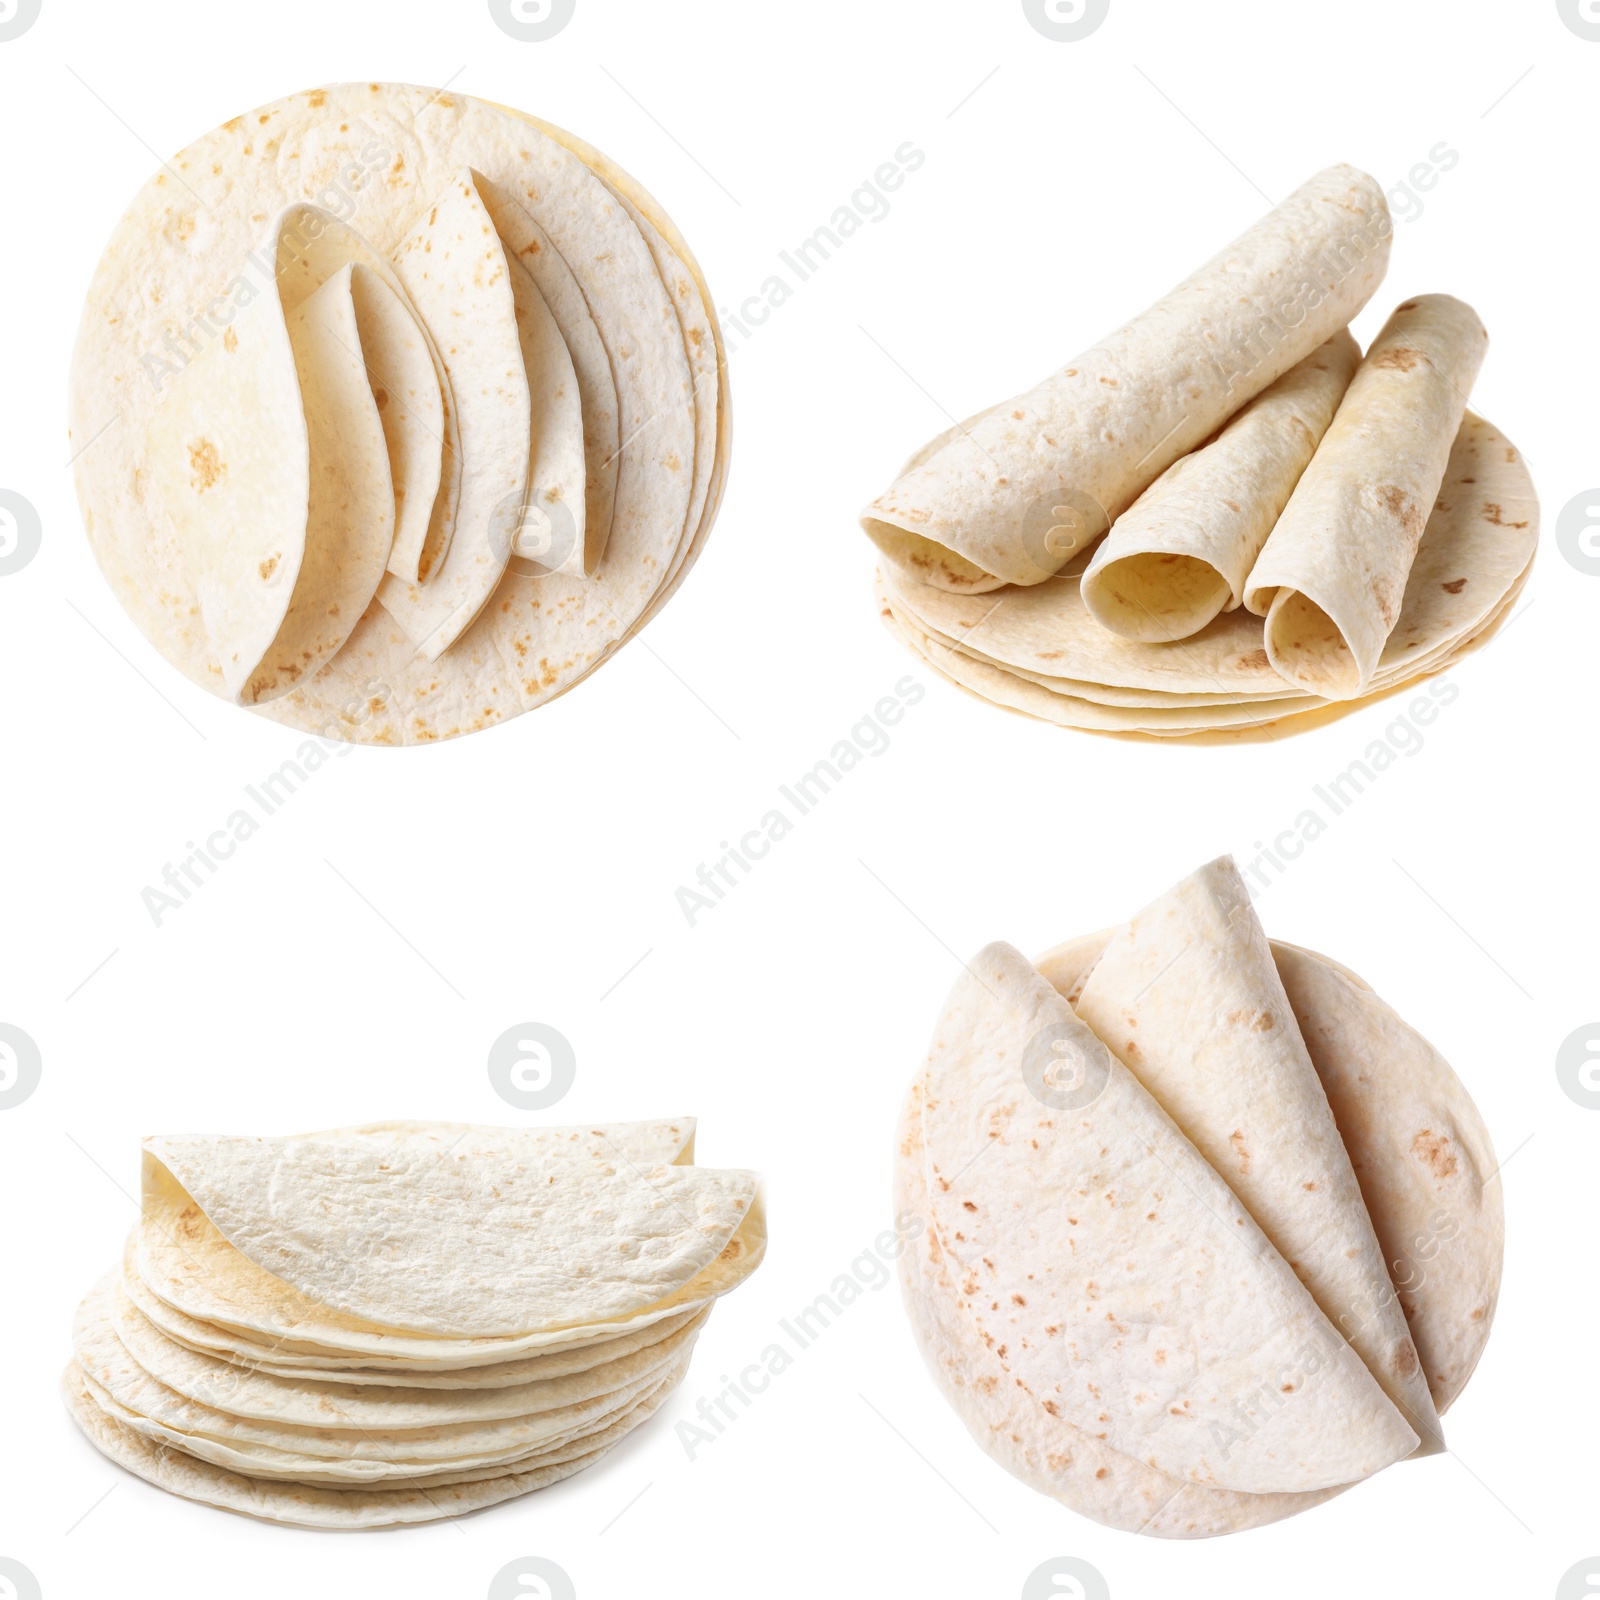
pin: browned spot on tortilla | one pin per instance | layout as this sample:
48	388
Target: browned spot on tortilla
1019	415
381	396
1478	1314
1454	587
1265	1022
1399	504
230	341
1402	358
969	1205
206	467
1253	661
1434	1152
1236	1139
1051	1407
1111	383
1405	1358
1493	514
316	99
267	568
1017	1300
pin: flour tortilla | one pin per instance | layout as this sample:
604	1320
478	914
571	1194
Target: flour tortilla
550	530
1143	1235
1236	718
386	151
1419	1148
1187	997
335	1448
1046	1452
525	241
454	267
1038	479
287	1358
304	1401
1475	556
1423	1156
1181	552
309	245
454	1266
1331	578
349	526
227	461
301	1505
411	407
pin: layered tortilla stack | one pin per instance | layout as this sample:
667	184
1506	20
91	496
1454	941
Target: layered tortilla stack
400	1322
1222	519
1209	1234
394	413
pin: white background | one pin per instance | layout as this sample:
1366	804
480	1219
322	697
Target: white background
521	873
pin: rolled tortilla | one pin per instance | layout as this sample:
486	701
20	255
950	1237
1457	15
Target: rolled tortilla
1181	552
1331	577
1010	498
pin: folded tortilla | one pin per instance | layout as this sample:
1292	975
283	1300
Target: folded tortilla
1188	999
1416	1142
1182	551
1012	497
1332	576
1114	1271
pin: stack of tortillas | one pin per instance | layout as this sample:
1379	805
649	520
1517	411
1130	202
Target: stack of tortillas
403	1321
1222	518
395	413
1209	1233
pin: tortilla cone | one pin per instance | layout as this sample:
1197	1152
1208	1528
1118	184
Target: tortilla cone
1188	999
1331	577
1418	1146
1033	481
1182	551
1236	1380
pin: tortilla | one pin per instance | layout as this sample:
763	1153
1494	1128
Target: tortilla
411	407
527	243
350	522
1045	1451
1188	999
454	268
302	1505
1182	551
450	1268
605	1242
383	154
1116	1274
1331	578
1424	1159
1038	479
551	528
1418	1146
1475	554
